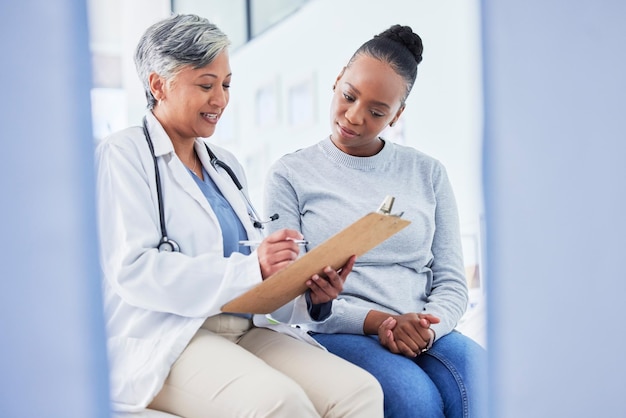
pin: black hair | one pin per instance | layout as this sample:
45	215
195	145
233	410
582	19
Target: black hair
399	47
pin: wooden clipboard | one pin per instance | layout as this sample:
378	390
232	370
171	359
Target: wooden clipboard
281	287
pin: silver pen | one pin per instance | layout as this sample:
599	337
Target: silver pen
247	243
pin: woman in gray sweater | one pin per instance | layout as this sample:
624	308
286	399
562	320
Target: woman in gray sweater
398	309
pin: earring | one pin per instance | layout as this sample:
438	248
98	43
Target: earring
391	124
334	87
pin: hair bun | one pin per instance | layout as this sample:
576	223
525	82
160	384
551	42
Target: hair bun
405	36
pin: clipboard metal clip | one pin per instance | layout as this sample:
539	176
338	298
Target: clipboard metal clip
387	205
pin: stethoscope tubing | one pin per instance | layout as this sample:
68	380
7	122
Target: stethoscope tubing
167	244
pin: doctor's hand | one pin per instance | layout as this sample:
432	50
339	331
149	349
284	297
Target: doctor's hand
277	251
328	286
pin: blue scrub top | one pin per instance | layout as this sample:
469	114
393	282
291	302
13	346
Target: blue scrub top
232	228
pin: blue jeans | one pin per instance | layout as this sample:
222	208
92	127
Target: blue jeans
446	381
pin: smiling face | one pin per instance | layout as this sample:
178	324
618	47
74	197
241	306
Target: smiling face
368	97
191	103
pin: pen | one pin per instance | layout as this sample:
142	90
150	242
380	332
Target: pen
253	243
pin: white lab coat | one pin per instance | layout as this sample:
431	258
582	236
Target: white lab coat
154	301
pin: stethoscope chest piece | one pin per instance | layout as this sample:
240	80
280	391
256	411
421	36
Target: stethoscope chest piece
168	245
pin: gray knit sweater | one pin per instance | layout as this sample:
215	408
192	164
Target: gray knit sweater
320	190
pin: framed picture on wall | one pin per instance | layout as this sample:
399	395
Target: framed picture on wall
301	102
266	105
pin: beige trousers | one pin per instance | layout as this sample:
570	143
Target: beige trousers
232	369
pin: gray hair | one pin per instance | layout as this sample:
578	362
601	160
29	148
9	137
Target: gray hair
176	42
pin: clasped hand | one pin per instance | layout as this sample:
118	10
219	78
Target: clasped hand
407	334
279	250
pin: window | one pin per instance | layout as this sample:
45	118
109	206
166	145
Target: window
241	20
266	13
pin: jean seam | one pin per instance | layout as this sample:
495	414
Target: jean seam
457	378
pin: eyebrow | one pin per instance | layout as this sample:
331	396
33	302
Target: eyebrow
374	102
214	75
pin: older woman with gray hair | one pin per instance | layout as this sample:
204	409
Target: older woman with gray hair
172	210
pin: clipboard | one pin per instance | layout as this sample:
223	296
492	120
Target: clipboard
283	286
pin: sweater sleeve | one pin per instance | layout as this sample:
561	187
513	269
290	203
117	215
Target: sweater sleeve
280	197
449	296
428	279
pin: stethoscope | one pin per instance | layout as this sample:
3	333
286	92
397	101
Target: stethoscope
169	245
